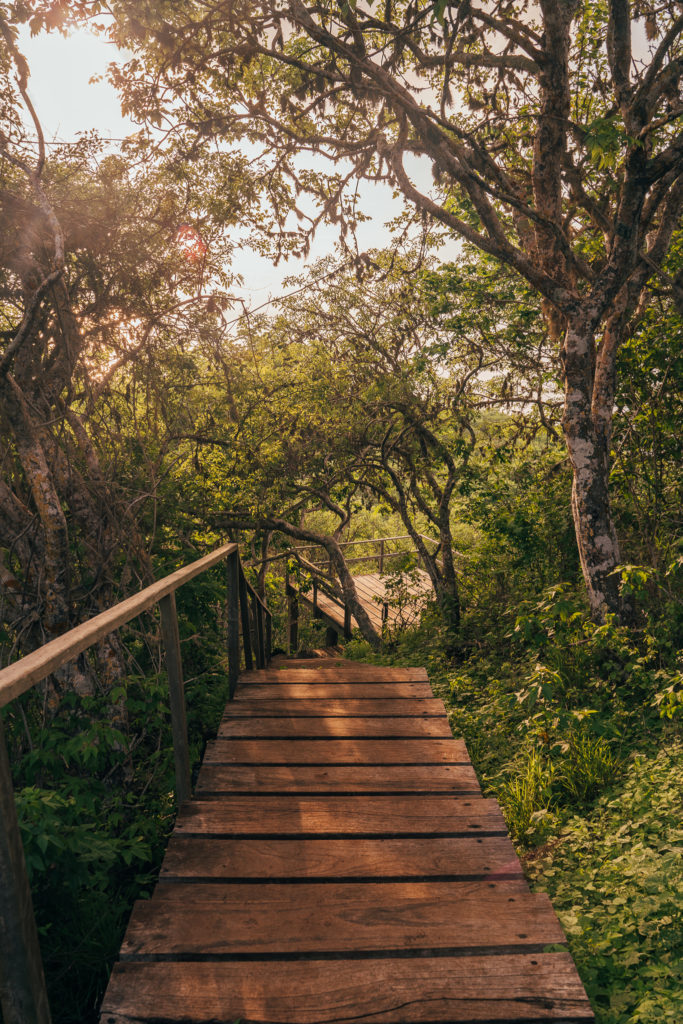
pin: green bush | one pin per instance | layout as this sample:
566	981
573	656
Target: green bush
615	878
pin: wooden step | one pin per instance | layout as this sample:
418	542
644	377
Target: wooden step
364	707
335	727
240	921
198	858
312	779
321	690
541	987
354	670
326	751
294	815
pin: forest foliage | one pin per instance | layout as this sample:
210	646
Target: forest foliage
519	404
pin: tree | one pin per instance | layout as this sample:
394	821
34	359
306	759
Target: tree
95	270
552	131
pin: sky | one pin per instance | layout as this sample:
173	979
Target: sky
68	103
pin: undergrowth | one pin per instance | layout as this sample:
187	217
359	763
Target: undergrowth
94	788
575	729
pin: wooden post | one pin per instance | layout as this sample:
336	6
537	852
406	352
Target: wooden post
293	622
381	556
385	612
176	694
315	599
233	581
261	634
347	622
246	623
258	623
269	637
23	996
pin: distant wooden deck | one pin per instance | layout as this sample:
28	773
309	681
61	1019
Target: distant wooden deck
339	864
372	594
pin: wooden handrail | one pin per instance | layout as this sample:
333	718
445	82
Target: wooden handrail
21	675
22	983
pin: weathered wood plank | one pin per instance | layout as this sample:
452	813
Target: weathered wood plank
314	662
332	691
336	779
198	859
341	815
220	921
333	751
410	707
426	990
335	727
361	674
345	897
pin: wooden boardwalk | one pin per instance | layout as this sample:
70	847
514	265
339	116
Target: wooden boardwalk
339	864
372	593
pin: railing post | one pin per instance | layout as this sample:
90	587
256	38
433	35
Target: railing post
269	636
293	621
347	622
246	623
233	574
176	693
23	996
258	623
381	556
315	599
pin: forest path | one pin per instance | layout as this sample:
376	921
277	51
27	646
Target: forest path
339	864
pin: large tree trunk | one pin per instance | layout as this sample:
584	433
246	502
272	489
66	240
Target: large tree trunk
350	593
447	590
588	444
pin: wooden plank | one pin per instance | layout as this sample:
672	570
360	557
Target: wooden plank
410	707
333	691
327	751
214	780
221	921
361	674
343	896
491	859
329	609
314	662
335	815
335	727
540	987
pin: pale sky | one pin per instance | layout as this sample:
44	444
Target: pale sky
67	103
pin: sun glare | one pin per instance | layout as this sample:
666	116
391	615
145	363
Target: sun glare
190	243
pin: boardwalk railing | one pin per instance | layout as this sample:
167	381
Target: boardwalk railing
23	997
381	552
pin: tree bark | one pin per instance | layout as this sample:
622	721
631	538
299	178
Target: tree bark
588	444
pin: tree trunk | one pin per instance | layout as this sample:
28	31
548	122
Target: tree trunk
447	592
351	594
589	452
